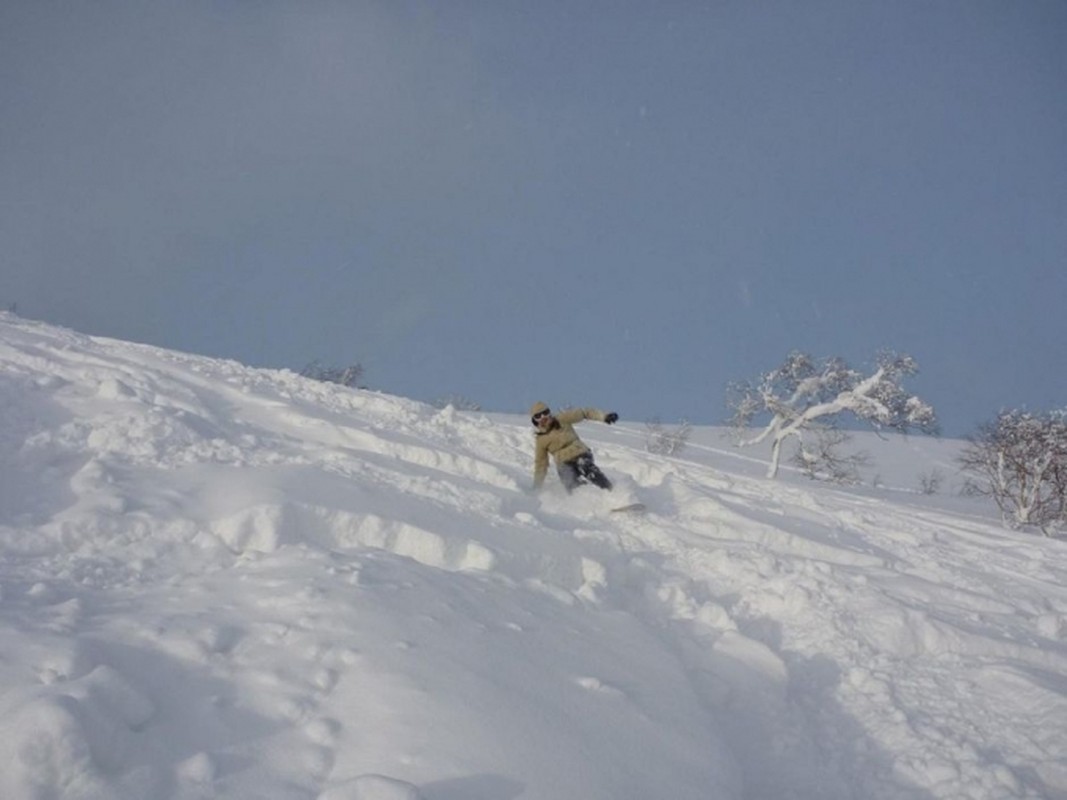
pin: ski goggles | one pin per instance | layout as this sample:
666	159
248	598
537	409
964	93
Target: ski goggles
540	415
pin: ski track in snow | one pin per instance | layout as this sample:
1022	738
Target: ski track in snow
217	581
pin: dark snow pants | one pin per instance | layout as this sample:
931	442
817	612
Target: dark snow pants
582	470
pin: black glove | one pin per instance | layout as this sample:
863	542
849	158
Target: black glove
611	418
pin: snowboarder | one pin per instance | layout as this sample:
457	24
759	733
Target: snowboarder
556	437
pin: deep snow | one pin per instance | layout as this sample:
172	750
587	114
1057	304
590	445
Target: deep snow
223	582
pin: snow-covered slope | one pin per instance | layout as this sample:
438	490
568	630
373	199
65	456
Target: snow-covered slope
222	582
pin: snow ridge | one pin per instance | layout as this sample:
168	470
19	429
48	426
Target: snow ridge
217	581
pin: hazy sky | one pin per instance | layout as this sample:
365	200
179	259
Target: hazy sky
621	204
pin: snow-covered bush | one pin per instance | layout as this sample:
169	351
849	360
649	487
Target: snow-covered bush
666	441
345	376
803	390
1020	460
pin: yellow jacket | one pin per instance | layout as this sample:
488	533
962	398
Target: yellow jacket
561	440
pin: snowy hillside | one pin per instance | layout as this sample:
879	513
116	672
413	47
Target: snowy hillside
222	582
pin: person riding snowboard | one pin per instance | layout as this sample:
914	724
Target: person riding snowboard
556	437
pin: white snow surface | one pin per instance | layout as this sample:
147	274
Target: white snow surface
226	582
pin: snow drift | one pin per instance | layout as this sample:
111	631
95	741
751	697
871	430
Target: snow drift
218	581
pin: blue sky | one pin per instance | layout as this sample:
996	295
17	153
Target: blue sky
619	204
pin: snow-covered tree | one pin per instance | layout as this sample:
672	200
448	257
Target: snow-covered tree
803	393
1020	460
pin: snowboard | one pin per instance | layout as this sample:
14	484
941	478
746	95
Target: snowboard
632	508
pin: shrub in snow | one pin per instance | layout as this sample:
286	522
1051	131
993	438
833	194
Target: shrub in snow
458	402
1020	460
820	457
802	391
930	482
663	441
345	376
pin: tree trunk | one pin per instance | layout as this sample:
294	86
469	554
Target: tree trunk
776	456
